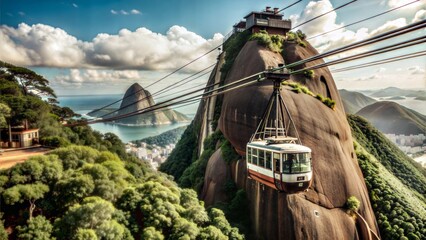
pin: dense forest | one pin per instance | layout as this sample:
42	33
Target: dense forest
395	182
88	187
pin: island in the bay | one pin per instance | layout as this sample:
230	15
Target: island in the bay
137	99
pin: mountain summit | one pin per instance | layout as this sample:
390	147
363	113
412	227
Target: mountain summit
137	98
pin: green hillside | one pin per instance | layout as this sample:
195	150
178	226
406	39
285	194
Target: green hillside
395	182
89	187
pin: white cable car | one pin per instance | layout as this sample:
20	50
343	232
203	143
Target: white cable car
274	158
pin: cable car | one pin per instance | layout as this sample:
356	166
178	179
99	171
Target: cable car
280	164
274	158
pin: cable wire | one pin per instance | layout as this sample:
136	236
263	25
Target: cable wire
321	15
363	20
382	61
289	6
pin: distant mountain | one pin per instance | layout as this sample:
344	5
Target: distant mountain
390	117
393	92
137	98
354	101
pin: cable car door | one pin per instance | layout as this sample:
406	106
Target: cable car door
276	160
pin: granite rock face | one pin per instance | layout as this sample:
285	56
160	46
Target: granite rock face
137	98
319	213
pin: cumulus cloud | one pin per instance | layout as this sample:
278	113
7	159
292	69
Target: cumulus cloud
420	15
416	70
40	45
329	22
389	25
77	76
75	5
114	12
43	45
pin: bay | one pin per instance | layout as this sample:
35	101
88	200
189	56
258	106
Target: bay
83	104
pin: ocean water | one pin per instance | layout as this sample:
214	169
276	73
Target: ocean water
84	104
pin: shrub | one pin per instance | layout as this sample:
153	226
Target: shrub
352	204
300	35
329	102
309	74
272	42
54	141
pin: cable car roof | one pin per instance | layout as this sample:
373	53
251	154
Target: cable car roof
281	147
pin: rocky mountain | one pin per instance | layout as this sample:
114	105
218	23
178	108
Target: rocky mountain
143	99
394	91
316	214
354	101
390	117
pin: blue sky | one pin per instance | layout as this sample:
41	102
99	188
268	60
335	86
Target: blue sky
96	47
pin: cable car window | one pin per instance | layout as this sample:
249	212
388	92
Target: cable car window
268	160
277	162
305	162
296	163
288	162
254	156
249	155
261	158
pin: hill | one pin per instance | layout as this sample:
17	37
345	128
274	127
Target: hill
354	101
394	92
136	99
396	184
163	139
390	117
214	164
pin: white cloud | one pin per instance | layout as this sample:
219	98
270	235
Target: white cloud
389	25
40	45
396	3
135	11
43	45
124	12
77	76
21	14
328	22
75	5
416	70
420	15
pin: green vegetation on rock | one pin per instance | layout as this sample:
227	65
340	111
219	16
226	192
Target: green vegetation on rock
232	47
299	88
272	42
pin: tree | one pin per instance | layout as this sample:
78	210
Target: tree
31	81
3	233
150	233
94	213
4	114
38	228
73	187
28	192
